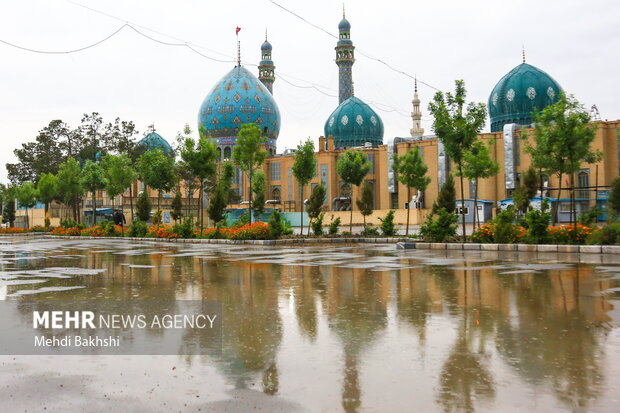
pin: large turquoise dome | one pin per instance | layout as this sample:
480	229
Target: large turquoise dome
238	98
155	141
524	89
354	123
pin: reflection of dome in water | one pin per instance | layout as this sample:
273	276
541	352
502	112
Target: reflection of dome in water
238	98
354	123
155	141
524	89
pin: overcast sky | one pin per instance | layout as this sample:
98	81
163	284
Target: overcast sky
131	77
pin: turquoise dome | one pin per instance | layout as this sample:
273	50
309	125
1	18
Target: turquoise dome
266	46
238	98
514	98
155	141
354	123
344	24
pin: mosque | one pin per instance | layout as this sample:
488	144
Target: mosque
240	97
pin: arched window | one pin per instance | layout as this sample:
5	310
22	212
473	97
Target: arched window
275	194
219	153
227	152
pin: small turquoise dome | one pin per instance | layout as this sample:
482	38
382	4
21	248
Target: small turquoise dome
523	90
344	24
266	46
155	141
354	123
238	98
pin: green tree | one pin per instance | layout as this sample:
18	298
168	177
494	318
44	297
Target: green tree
352	167
304	169
614	200
69	184
143	207
201	161
93	179
258	202
526	190
562	141
446	198
177	207
457	126
221	193
366	201
44	155
248	155
8	207
478	164
157	171
47	190
120	137
119	175
411	170
27	197
315	203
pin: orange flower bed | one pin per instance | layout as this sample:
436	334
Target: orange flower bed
255	230
67	231
13	230
566	234
161	231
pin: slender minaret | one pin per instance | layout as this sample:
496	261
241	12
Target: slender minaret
266	68
345	59
417	131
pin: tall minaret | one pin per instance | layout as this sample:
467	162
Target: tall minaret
417	131
345	59
266	68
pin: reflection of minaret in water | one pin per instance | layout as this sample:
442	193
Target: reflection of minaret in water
351	393
344	59
266	68
271	381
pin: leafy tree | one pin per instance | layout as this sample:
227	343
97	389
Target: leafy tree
614	200
315	202
95	141
44	155
201	160
92	179
47	190
248	154
457	127
352	167
446	198
8	210
119	137
69	184
177	207
221	193
118	173
366	200
304	169
27	196
526	190
477	164
258	203
562	141
143	207
156	170
411	171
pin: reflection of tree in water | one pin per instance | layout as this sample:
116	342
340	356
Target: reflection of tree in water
307	283
558	334
465	377
356	311
251	324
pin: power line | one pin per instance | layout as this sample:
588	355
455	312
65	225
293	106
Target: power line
358	50
192	47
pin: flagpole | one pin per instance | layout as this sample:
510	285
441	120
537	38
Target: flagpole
237	30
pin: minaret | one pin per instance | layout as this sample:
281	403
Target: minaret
417	131
345	59
266	68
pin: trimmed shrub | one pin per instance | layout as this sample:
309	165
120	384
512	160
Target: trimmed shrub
317	225
138	229
334	225
441	228
387	224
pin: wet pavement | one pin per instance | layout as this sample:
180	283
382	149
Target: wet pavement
331	329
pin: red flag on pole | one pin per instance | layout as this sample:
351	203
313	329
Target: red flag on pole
237	30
